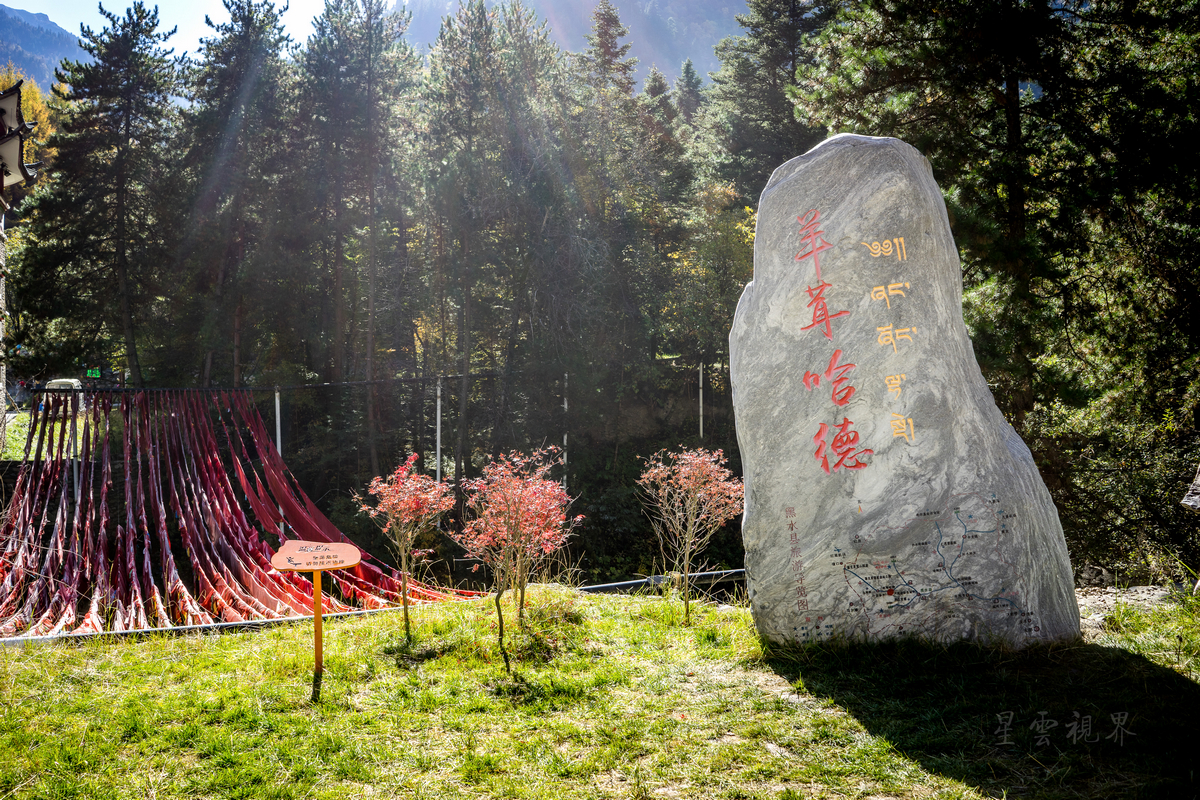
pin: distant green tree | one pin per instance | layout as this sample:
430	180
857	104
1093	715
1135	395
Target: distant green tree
502	230
354	71
751	126
607	73
461	97
948	78
353	67
668	170
639	176
1058	132
539	289
236	130
96	245
709	273
687	95
606	59
656	98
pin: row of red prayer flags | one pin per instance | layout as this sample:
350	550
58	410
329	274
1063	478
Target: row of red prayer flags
73	562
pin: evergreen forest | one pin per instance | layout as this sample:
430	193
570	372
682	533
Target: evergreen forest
556	251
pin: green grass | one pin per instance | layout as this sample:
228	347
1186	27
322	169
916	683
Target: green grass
16	432
610	698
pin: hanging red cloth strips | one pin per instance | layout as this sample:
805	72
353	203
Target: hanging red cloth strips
79	554
302	515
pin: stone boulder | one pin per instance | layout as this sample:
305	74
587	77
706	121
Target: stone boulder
886	496
1192	498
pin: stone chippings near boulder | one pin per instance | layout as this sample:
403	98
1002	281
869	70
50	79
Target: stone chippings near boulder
885	494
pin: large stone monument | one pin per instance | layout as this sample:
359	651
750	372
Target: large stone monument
885	494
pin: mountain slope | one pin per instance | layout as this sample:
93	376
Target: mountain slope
35	45
662	32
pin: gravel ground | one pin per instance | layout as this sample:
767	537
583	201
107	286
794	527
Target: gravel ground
1097	603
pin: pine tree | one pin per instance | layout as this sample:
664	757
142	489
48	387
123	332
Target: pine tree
354	67
753	127
655	94
460	98
688	97
97	244
607	72
1057	131
948	78
608	64
237	131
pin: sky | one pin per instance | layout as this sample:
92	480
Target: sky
188	15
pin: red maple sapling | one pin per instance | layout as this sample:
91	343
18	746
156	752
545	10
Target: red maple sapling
407	503
518	517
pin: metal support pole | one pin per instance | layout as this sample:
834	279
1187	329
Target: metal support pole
75	403
279	449
439	429
566	408
318	656
701	400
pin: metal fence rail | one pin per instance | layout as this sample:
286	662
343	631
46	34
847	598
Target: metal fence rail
699	579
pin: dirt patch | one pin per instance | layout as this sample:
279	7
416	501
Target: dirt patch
1096	603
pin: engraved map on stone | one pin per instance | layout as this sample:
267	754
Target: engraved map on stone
941	562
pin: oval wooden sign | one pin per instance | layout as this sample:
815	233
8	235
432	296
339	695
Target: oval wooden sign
299	556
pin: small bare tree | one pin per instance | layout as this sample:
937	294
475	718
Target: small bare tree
689	496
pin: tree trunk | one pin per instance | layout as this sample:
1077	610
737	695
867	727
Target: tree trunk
464	385
131	356
338	339
218	303
404	567
1024	397
372	443
500	583
237	344
1017	167
506	381
372	159
132	363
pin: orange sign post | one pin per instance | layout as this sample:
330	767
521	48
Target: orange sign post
299	556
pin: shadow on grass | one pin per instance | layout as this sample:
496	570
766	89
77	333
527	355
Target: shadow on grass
1016	723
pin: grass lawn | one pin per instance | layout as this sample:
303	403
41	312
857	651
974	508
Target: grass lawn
15	432
610	698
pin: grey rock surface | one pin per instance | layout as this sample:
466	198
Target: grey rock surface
1192	498
886	496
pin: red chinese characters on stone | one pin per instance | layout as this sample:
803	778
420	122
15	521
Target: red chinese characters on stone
843	447
836	374
821	315
812	240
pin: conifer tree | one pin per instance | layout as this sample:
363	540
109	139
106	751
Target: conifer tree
608	64
753	128
354	67
1057	131
655	95
607	70
948	78
687	92
97	244
461	97
236	127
